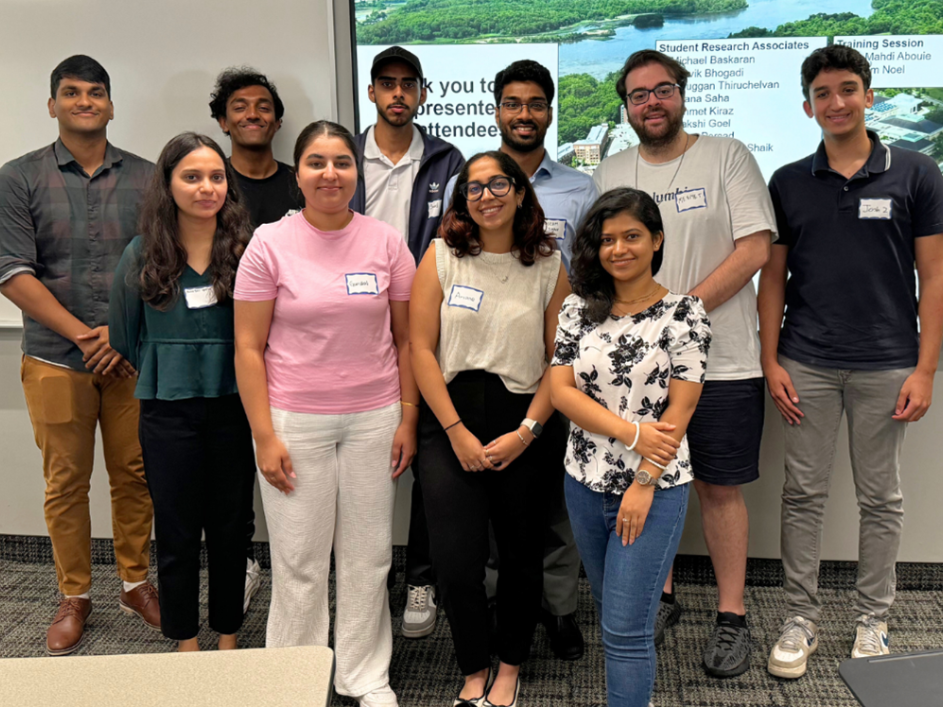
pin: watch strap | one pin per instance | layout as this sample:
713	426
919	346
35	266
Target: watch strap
535	427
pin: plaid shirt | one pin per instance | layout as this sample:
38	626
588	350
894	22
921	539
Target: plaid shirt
69	230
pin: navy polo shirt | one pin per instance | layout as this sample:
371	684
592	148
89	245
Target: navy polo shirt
851	299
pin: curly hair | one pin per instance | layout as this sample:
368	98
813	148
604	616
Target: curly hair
163	257
236	78
460	232
587	276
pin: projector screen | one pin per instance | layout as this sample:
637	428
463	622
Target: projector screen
743	55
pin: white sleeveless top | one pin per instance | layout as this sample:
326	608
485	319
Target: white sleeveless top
492	315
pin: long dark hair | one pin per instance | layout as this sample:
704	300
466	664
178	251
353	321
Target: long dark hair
587	276
460	231
163	258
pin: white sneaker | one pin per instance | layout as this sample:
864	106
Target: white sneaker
797	641
383	697
253	582
420	614
871	638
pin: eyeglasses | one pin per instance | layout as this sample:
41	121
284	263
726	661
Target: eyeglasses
536	107
663	91
498	186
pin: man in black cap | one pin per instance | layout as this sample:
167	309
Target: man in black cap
402	183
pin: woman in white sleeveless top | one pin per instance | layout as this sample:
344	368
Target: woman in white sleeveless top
483	314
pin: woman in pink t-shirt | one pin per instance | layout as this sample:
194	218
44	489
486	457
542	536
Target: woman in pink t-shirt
322	363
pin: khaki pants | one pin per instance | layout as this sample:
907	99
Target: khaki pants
65	406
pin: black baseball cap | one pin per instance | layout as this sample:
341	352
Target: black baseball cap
394	54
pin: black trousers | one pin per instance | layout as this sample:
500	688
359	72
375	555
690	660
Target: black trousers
459	506
200	469
419	572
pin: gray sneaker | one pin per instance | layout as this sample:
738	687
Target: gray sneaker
728	650
668	615
420	614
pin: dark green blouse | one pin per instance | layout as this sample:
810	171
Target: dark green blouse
181	353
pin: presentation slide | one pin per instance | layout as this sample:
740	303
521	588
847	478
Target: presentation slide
743	55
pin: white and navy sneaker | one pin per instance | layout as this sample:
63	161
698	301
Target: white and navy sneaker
871	638
797	641
419	617
253	582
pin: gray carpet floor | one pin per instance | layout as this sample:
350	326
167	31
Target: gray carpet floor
423	672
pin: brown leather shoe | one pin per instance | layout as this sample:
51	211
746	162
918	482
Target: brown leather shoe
143	602
67	629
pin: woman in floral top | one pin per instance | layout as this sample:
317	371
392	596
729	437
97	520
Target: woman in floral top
628	369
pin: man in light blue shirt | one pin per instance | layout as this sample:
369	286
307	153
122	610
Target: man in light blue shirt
524	93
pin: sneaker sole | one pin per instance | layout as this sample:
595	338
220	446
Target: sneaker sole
134	612
417	632
781	671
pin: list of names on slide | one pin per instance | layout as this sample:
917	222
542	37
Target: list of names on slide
749	89
901	61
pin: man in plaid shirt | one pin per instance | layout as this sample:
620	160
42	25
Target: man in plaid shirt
67	211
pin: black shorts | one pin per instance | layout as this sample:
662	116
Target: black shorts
725	432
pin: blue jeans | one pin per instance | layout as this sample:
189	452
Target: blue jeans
626	581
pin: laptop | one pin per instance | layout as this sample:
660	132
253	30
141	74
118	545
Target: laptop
902	680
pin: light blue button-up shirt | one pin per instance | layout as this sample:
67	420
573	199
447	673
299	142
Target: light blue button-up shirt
565	195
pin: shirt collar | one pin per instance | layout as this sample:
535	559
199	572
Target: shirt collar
64	157
545	167
878	161
371	150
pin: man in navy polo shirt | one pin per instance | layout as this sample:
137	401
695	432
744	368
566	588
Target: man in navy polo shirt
853	219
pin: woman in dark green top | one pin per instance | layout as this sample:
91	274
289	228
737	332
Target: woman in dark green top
171	317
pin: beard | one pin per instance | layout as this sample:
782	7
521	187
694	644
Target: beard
658	138
515	143
397	121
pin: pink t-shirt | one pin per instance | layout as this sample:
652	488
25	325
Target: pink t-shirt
330	348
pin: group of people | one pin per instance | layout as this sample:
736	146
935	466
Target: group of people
556	356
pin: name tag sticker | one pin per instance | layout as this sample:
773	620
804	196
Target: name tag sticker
465	297
435	208
555	228
200	297
362	283
875	209
691	199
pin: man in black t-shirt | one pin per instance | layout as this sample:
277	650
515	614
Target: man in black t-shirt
853	220
249	111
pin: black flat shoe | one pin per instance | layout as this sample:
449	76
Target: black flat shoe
566	639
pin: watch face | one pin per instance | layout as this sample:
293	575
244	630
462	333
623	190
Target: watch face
643	477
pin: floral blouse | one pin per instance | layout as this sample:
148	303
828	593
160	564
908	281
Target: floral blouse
625	364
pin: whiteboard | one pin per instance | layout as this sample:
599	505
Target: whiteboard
163	58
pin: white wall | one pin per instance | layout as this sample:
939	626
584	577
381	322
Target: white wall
163	56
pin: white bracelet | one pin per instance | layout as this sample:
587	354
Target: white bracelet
655	464
638	431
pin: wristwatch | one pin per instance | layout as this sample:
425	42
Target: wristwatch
643	478
535	427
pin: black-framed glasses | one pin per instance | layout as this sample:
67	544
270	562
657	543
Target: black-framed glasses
662	91
498	186
535	107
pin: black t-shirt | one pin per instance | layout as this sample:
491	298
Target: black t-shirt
851	295
269	199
